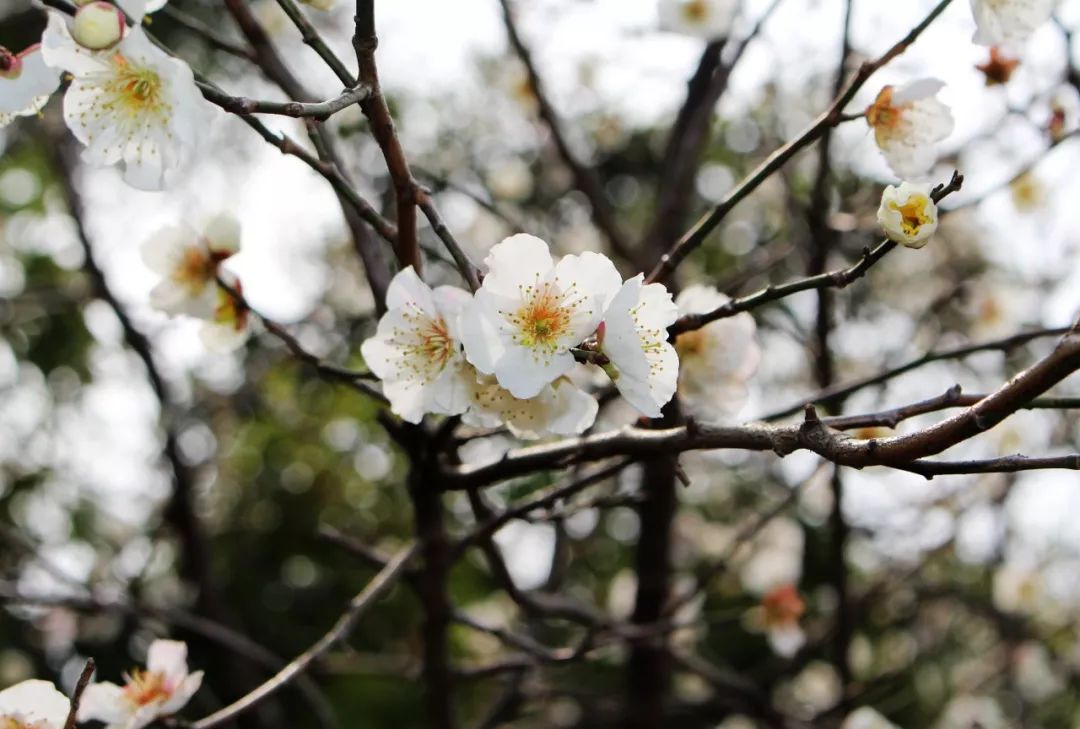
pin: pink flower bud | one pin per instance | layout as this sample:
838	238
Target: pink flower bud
10	64
98	25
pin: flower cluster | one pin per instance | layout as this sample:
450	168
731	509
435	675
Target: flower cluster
128	101
508	354
190	266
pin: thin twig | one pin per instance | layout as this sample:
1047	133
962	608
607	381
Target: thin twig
76	696
359	605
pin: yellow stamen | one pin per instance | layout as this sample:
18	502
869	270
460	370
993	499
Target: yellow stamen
136	90
913	214
146	687
695	11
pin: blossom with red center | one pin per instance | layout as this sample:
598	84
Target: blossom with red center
998	69
229	325
160	690
33	704
530	312
781	610
908	122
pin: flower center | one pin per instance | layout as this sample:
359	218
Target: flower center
136	89
882	114
696	11
690	344
912	214
431	344
9	721
146	687
194	269
229	311
544	318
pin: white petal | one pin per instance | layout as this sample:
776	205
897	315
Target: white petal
519	261
165	249
28	92
168	657
450	301
104	702
407	289
593	273
787	641
714	21
916	90
574	409
866	718
35	701
524	372
407	399
182	694
478	327
223	338
222	234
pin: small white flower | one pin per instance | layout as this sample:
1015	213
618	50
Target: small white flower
416	351
530	312
778	617
26	83
189	263
644	365
98	26
560	408
908	214
133	104
717	360
229	326
1001	22
159	691
908	122
866	718
33	704
708	19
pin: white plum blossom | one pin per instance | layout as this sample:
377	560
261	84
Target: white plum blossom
159	691
26	83
908	123
717	360
908	214
866	718
132	104
708	19
416	350
229	325
33	704
778	617
188	263
1009	22
561	408
530	312
633	336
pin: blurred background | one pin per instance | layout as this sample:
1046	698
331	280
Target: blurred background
130	510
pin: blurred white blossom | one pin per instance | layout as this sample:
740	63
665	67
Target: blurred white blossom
33	704
908	123
189	264
716	360
1000	22
707	19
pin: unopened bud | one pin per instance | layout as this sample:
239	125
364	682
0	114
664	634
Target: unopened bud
98	25
10	64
